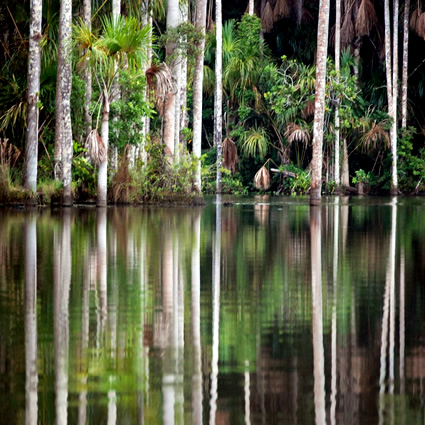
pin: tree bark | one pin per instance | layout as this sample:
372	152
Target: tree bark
34	71
345	171
87	76
337	160
170	99
63	133
102	178
198	79
251	7
394	180
218	100
319	102
404	77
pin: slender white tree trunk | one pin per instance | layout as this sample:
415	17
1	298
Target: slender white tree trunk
345	172
102	177
34	71
319	102
337	160
63	133
404	76
87	76
218	100
170	99
31	372
394	185
251	7
198	79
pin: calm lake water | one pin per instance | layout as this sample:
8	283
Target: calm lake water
248	311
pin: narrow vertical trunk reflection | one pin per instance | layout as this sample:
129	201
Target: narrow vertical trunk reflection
196	321
334	313
62	283
316	283
31	373
388	321
216	312
247	394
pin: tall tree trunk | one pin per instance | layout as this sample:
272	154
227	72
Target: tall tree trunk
183	84
404	76
345	171
394	184
34	70
170	98
102	177
87	77
63	132
218	100
337	160
251	7
319	102
198	79
390	93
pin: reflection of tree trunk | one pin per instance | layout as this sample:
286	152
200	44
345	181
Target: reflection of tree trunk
62	281
316	282
247	394
196	322
334	323
392	259
31	376
82	405
402	336
216	313
102	264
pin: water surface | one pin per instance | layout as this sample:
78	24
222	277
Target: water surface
249	311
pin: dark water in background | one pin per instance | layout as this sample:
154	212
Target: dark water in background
260	312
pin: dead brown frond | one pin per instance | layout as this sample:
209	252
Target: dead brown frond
230	154
374	136
347	30
294	133
414	18
9	153
282	9
420	25
120	184
160	81
262	179
366	18
97	148
308	110
267	18
306	16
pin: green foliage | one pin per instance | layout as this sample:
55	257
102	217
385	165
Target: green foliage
49	189
298	185
130	112
230	183
361	177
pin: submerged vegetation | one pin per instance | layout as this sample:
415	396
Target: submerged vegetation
132	108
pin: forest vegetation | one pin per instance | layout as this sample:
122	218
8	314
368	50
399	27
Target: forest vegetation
144	100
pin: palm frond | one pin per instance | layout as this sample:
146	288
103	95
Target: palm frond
267	20
262	179
295	133
96	148
230	154
255	142
366	18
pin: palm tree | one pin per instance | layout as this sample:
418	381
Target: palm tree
87	77
319	103
34	71
63	131
123	40
198	77
337	160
